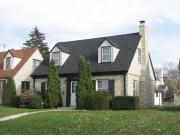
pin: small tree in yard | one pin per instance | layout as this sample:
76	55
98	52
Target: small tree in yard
53	94
89	83
9	91
84	85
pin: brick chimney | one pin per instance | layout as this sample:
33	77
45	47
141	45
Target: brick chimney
146	88
143	31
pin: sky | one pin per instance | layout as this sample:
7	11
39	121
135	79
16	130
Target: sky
66	20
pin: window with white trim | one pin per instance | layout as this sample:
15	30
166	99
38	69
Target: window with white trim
134	87
2	84
73	86
36	63
8	63
102	85
56	58
106	54
25	85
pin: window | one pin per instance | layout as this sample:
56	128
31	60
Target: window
106	54
2	83
8	63
102	85
139	56
73	86
25	85
134	88
56	57
36	63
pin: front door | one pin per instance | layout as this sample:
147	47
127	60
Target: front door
43	89
73	93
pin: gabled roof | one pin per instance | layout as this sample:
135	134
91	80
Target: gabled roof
88	48
24	54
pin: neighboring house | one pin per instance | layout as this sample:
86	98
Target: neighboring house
19	64
120	64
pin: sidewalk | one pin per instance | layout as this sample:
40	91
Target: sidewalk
15	116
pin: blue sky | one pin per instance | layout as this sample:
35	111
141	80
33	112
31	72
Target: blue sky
65	20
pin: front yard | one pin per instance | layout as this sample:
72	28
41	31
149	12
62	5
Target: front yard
139	122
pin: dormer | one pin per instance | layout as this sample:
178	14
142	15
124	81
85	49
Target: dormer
107	51
10	61
60	54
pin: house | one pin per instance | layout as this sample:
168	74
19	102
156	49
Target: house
19	64
120	64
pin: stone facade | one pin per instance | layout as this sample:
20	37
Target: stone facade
147	83
141	72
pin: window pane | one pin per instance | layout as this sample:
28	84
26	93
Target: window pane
134	88
106	58
8	62
106	50
73	86
56	57
103	84
36	63
106	54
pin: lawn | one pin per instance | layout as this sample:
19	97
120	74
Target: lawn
5	111
140	122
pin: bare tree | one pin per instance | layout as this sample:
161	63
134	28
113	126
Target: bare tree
171	77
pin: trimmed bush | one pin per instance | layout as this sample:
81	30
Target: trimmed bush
125	103
84	84
27	95
53	96
34	102
9	91
99	100
16	101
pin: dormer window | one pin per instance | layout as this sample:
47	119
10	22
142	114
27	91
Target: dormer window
56	57
106	54
8	63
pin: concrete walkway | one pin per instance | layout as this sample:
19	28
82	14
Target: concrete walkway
15	116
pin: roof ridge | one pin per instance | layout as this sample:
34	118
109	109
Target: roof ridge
97	37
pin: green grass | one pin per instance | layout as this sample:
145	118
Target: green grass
5	110
139	122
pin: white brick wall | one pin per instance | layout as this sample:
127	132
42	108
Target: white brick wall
24	74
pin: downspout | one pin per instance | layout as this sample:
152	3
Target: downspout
34	82
125	84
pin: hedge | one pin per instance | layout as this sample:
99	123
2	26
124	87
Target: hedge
99	100
125	103
34	102
16	101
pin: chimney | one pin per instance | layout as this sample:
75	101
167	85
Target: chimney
143	32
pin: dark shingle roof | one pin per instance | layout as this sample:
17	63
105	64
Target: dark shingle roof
89	49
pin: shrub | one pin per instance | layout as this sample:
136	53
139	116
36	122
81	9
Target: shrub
125	103
16	101
9	91
34	102
170	108
27	95
99	100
